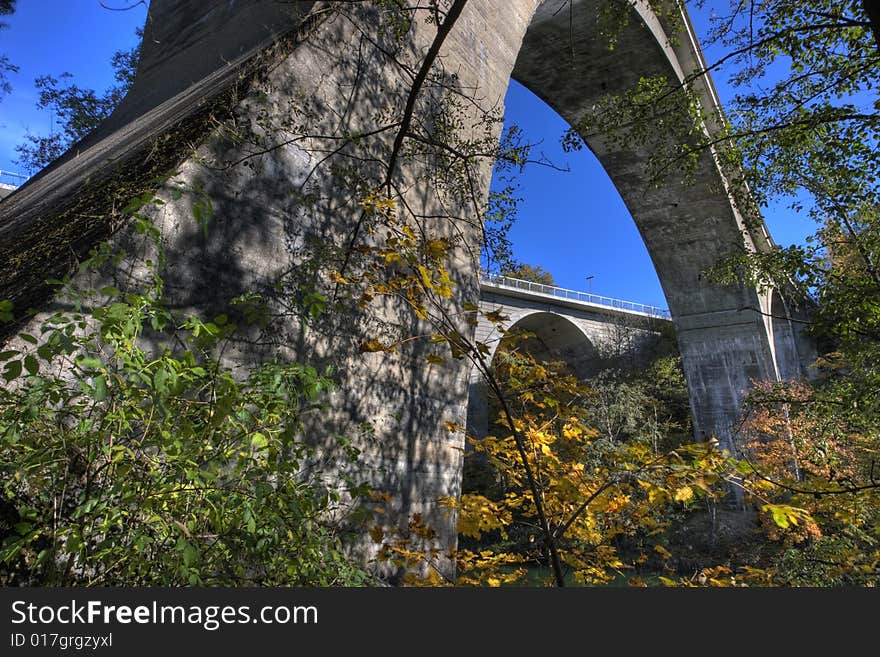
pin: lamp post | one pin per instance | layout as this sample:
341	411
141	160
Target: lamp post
590	283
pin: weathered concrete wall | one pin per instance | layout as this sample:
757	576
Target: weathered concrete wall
285	142
51	222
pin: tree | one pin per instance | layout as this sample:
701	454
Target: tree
811	473
575	489
813	136
7	7
76	111
804	127
134	370
532	273
810	135
606	501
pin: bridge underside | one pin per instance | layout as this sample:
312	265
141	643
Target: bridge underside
687	227
284	208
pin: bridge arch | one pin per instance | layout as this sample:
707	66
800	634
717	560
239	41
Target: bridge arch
546	336
687	227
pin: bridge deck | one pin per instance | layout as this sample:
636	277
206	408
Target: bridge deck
574	298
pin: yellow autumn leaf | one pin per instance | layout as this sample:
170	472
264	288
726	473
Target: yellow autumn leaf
655	494
618	503
377	533
478	514
683	494
444	284
662	551
379	496
496	317
448	502
374	345
425	275
436	248
571	432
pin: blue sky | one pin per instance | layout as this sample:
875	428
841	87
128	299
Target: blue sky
571	233
574	223
50	37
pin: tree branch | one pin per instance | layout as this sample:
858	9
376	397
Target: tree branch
451	16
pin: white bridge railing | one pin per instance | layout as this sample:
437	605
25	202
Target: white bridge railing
11	179
574	295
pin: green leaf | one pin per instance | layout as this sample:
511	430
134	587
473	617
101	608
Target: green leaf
259	441
90	363
74	543
12	370
31	365
100	388
6	310
22	528
190	554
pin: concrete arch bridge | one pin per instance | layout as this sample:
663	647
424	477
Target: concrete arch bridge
268	111
587	332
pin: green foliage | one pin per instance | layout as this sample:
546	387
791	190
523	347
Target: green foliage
648	405
6	7
76	111
526	272
131	455
657	116
812	136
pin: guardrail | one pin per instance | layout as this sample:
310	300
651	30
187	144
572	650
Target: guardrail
11	178
575	295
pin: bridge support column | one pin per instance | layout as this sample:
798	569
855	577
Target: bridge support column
722	355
